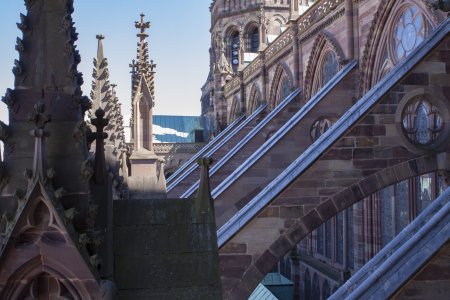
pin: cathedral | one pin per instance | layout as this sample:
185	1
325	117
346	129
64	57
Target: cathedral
326	173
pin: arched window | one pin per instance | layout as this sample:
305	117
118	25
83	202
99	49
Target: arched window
320	127
330	67
234	50
253	40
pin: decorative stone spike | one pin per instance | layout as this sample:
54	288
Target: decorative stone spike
7	99
19	46
4	132
23	25
59	193
70	214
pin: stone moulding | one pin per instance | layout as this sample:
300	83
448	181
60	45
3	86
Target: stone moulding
177	147
297	167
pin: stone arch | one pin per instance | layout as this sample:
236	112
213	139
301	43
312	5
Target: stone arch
277	22
375	51
323	45
250	28
254	100
282	72
24	276
329	208
235	110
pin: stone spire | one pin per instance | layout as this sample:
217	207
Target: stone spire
46	72
48	58
101	92
143	92
105	98
147	177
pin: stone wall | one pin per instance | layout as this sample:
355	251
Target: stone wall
163	251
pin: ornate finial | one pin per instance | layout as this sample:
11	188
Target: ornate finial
40	119
204	206
100	165
100	37
38	116
142	25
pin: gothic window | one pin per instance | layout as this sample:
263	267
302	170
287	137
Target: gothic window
285	89
328	239
330	67
409	32
315	288
253	40
307	285
350	235
320	127
423	190
319	237
340	238
386	208
234	50
401	205
422	122
326	290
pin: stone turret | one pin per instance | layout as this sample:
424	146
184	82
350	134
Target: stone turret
147	174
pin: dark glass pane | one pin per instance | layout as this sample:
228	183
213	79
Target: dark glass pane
307	285
234	50
401	205
350	234
386	196
340	238
328	239
330	67
440	185
319	237
285	88
254	41
315	288
326	290
423	188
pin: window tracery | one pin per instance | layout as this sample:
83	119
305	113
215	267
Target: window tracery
320	127
422	122
330	67
409	32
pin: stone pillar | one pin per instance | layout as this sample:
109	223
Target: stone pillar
349	29
296	53
242	92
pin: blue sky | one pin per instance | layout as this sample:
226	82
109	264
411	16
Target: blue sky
179	41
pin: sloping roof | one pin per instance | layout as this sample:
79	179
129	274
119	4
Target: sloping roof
262	293
276	279
175	129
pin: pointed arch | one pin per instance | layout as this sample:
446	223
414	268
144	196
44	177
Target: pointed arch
254	101
377	58
283	80
324	46
23	277
235	110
